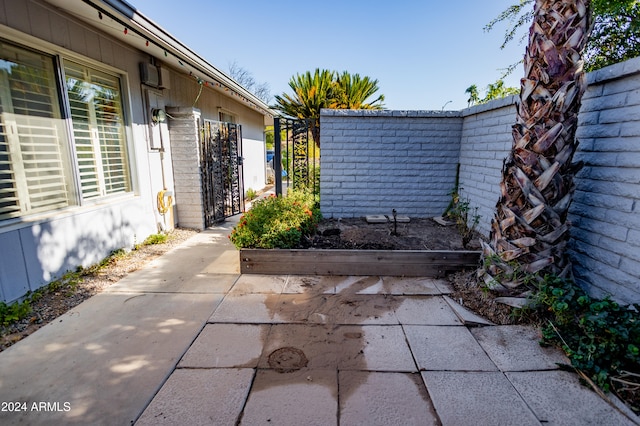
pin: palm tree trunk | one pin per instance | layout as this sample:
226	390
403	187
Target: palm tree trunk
530	229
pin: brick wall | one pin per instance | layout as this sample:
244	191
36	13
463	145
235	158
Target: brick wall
185	158
376	161
605	244
486	140
605	213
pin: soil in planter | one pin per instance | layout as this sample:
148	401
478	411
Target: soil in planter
357	233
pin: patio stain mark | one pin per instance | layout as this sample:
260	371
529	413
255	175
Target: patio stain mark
287	359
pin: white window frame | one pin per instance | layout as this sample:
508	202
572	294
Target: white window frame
222	111
61	54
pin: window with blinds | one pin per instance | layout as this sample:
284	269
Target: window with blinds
98	130
34	161
42	166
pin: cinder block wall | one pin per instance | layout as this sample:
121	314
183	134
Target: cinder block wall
605	244
486	140
375	161
367	168
606	206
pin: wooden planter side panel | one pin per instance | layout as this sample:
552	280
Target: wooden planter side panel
356	262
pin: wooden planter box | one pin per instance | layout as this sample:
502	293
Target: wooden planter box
409	263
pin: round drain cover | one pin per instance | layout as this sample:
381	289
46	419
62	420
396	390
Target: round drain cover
287	359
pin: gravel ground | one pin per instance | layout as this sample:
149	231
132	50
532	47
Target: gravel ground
53	303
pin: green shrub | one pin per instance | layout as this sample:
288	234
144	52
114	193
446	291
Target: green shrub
600	337
14	312
277	222
155	239
250	194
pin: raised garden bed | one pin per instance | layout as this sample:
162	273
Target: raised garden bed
410	263
420	247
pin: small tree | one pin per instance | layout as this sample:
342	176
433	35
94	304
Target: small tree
530	227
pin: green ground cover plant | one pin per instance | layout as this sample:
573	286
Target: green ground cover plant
599	336
251	194
277	222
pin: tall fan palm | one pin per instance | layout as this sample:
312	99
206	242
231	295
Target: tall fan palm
530	226
352	92
311	93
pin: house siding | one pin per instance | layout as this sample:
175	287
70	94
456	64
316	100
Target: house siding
37	249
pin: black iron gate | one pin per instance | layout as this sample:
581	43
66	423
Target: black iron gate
221	170
299	165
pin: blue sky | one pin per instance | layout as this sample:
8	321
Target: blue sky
424	53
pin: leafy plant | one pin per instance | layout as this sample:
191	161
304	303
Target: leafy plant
277	222
152	239
459	211
600	337
14	312
250	194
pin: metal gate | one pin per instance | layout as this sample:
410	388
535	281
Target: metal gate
299	165
221	170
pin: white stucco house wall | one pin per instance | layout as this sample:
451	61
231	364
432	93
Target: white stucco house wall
80	159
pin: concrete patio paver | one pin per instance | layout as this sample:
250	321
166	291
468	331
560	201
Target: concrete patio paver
430	310
476	398
516	348
307	397
411	285
313	284
263	284
226	346
446	348
337	309
382	399
187	340
318	343
200	397
244	308
558	398
374	348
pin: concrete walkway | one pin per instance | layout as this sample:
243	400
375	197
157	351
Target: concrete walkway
187	340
